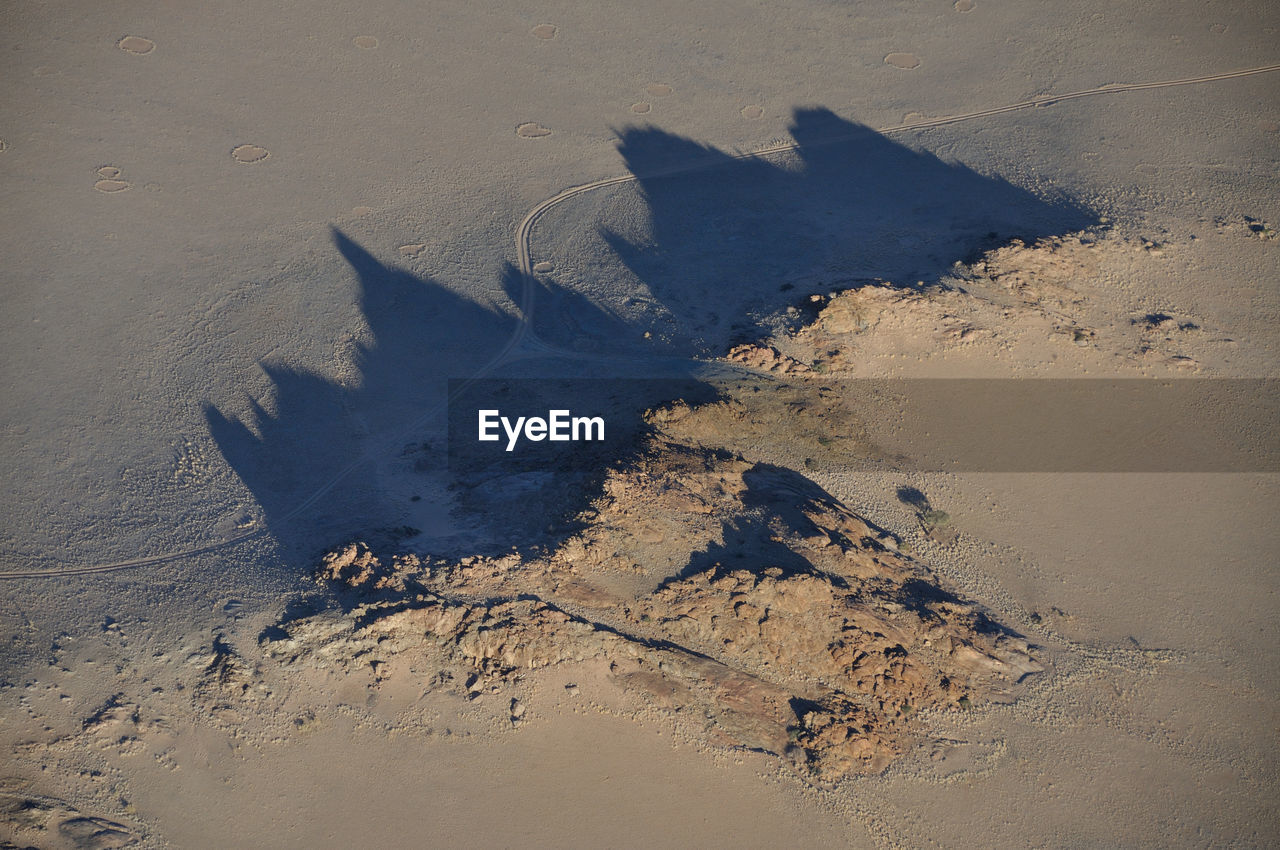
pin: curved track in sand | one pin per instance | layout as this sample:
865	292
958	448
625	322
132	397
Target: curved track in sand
524	258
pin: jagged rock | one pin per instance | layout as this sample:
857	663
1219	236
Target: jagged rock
765	358
357	568
742	591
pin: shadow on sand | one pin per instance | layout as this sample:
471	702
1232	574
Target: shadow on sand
317	429
729	244
730	241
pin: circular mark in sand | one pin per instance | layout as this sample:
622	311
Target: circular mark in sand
249	153
965	5
905	61
752	112
110	186
108	172
412	250
658	89
532	130
641	108
365	42
544	31
136	44
542	267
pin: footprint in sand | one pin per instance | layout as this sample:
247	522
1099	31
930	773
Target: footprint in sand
905	61
136	44
532	130
249	154
113	186
545	32
641	108
752	112
109	180
965	5
365	42
658	89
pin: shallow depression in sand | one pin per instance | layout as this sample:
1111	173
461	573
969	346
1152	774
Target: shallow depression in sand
365	42
641	108
108	172
136	45
544	31
111	186
543	267
658	89
532	130
905	61
752	112
965	5
249	153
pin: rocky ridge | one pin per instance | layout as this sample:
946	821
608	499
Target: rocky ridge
737	593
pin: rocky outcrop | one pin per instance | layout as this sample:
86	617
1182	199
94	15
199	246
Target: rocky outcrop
738	592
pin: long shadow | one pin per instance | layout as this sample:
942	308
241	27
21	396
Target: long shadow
421	334
729	246
731	241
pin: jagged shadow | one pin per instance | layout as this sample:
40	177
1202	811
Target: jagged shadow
731	241
288	450
750	545
785	492
729	245
578	322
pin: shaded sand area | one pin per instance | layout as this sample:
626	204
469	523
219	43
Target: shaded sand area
253	595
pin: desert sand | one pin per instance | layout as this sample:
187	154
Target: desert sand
257	589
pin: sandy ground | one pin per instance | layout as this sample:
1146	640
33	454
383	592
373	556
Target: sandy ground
246	248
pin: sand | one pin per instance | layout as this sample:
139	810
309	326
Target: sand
245	251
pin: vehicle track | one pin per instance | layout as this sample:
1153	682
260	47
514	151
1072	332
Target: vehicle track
524	333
